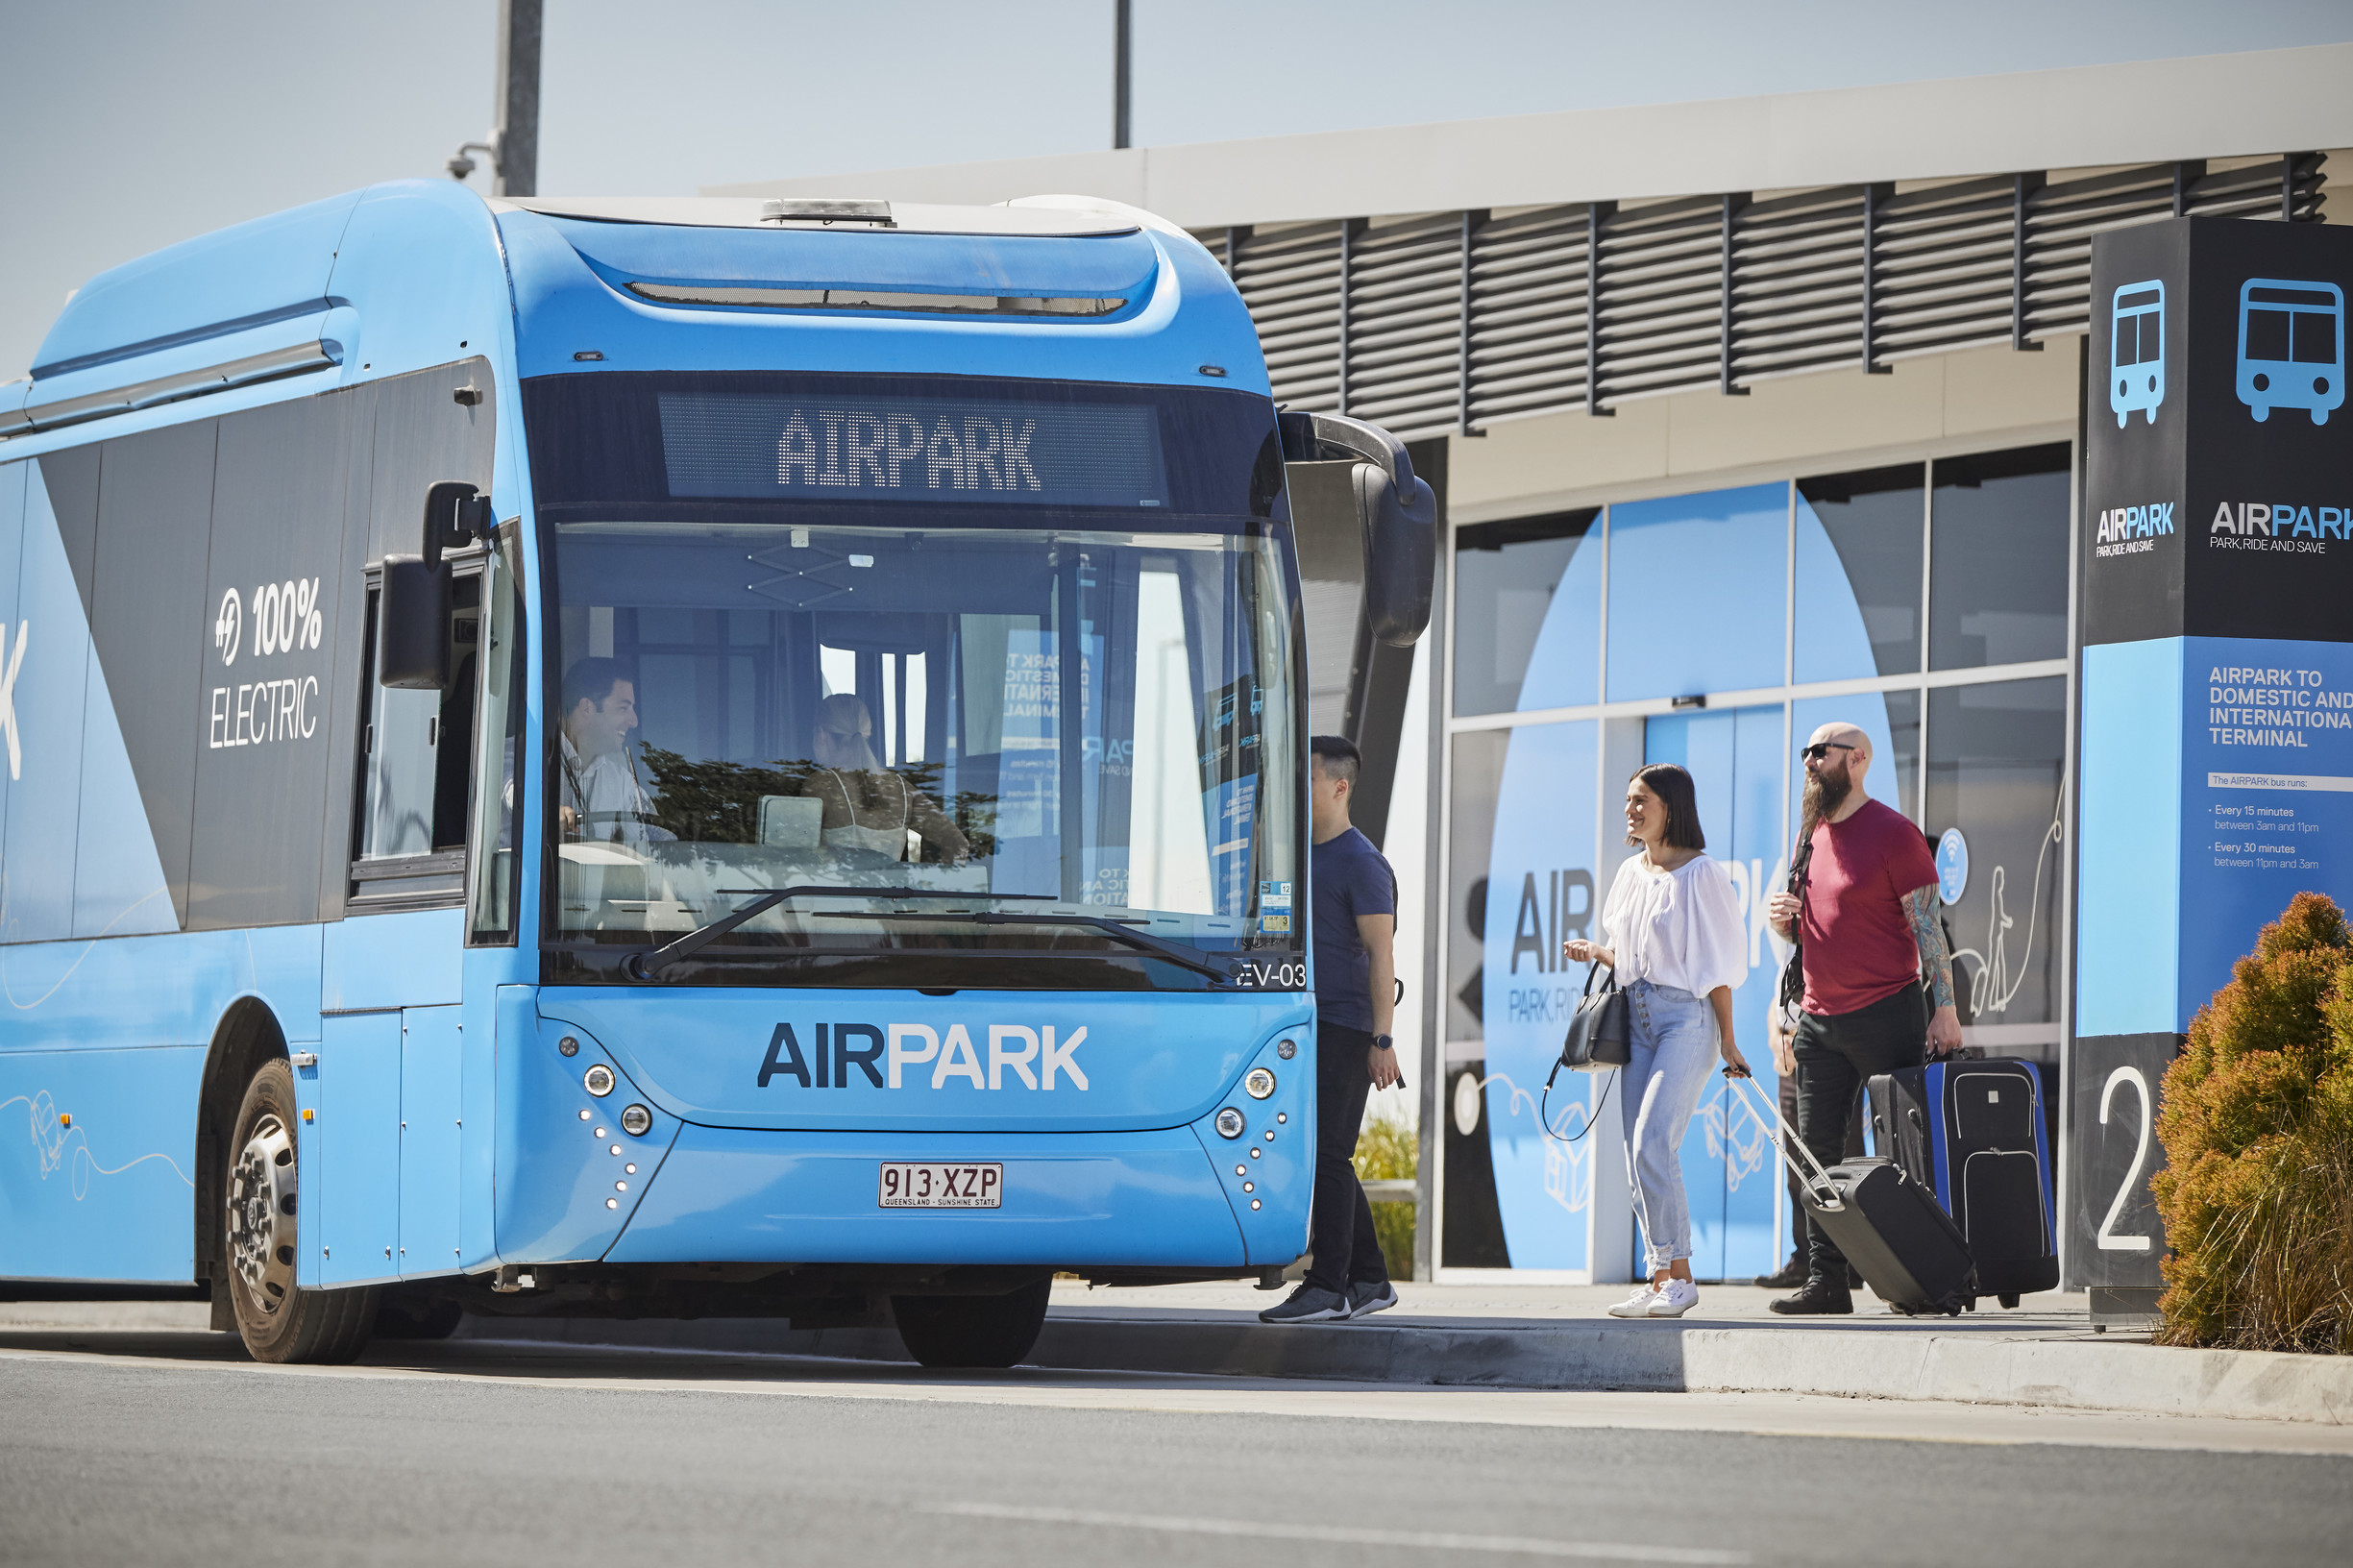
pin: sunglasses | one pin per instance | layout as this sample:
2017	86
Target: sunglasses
1823	748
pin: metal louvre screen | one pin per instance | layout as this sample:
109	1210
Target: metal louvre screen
1404	325
1291	280
1456	321
1797	284
1526	334
1942	277
1660	299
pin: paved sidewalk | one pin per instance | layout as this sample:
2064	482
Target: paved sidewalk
1541	1336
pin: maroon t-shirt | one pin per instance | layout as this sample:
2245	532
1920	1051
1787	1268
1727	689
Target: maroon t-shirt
1859	947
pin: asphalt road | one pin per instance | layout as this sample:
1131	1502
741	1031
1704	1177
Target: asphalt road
169	1448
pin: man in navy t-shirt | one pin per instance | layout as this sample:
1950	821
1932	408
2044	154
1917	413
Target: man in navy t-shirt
1354	907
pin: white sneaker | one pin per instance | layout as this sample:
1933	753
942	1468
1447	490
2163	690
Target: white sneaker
1674	1299
1637	1305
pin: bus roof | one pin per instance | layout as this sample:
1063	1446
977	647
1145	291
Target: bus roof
420	272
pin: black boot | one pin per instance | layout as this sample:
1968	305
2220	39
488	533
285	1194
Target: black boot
1818	1297
1788	1277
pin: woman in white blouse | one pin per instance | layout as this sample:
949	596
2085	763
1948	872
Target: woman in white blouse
1678	947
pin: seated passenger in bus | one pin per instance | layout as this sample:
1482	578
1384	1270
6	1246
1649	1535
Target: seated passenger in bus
867	806
599	795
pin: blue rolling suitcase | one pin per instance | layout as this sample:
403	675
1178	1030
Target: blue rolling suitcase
1976	1134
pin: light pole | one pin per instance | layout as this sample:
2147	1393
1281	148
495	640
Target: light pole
1121	35
513	146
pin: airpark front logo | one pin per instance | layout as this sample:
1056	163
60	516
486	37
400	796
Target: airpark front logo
1033	1057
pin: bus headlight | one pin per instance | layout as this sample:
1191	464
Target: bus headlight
597	1080
1230	1124
1259	1083
636	1121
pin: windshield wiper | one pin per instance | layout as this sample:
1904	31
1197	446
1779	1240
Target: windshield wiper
649	965
1184	956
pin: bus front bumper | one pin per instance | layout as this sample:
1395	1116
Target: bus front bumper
1069	1200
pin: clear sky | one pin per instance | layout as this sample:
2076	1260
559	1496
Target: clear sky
131	124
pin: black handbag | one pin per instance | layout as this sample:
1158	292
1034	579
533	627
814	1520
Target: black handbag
1599	1037
1598	1041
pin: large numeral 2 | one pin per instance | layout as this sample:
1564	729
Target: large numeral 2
2109	1240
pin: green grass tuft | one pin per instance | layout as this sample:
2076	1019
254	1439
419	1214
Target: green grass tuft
1386	1150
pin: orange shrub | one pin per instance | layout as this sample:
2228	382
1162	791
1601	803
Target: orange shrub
2257	1194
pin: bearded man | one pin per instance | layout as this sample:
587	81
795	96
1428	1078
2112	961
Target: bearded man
1876	968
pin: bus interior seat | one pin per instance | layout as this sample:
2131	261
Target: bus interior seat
792	821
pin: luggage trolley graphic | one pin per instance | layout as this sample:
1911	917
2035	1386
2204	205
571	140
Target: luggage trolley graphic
2291	347
2135	351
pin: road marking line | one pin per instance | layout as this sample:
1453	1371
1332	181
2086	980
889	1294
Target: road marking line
1525	1546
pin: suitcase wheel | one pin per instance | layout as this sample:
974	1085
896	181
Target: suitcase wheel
2008	1300
1971	1305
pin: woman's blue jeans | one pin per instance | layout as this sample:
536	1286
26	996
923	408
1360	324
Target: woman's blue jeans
1672	1036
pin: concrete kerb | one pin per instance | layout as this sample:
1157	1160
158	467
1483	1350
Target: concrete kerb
2073	1371
2052	1362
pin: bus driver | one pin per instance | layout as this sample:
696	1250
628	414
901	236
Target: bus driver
602	798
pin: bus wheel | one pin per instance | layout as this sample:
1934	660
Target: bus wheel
278	1319
972	1331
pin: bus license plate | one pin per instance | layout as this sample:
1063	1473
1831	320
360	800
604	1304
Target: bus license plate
910	1185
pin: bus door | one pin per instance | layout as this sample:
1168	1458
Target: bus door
394	1036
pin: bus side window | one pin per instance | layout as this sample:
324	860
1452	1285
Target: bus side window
416	765
497	728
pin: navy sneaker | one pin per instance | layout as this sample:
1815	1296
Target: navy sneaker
1374	1296
1308	1304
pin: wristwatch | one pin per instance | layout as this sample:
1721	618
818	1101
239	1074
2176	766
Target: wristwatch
1384	1043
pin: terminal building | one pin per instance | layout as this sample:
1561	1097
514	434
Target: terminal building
1744	416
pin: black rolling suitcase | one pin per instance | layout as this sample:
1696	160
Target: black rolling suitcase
1891	1228
1974	1133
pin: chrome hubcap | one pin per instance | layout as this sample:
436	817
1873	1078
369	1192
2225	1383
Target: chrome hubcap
261	1215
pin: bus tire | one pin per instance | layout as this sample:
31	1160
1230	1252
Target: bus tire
278	1319
972	1331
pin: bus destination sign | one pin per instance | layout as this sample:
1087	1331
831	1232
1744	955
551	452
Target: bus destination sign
912	449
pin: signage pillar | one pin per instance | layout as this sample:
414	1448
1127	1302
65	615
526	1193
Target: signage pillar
2217	681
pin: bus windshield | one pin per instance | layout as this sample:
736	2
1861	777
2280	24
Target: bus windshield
967	730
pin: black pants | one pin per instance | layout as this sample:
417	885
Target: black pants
1835	1054
1799	1225
1347	1251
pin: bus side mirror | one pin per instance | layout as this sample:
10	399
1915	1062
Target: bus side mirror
1400	553
412	623
1396	514
412	609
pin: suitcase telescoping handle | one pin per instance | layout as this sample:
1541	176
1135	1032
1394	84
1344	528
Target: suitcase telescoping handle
1824	1191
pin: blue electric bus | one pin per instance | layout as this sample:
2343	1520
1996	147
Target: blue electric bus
659	758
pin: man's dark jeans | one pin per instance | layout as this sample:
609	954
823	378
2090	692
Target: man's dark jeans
1800	1227
1835	1054
1341	1227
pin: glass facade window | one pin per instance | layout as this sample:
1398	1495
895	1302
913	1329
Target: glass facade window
1472	1226
1859	550
1996	775
1528	595
1998	558
1959	564
1699	593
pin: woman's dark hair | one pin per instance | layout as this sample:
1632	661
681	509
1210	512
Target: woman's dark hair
1672	784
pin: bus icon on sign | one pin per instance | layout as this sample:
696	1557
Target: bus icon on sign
2137	351
2291	347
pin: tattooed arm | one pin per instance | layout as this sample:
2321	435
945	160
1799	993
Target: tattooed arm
1935	968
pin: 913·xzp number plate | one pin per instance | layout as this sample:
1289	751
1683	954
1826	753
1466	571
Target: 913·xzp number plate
962	1186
